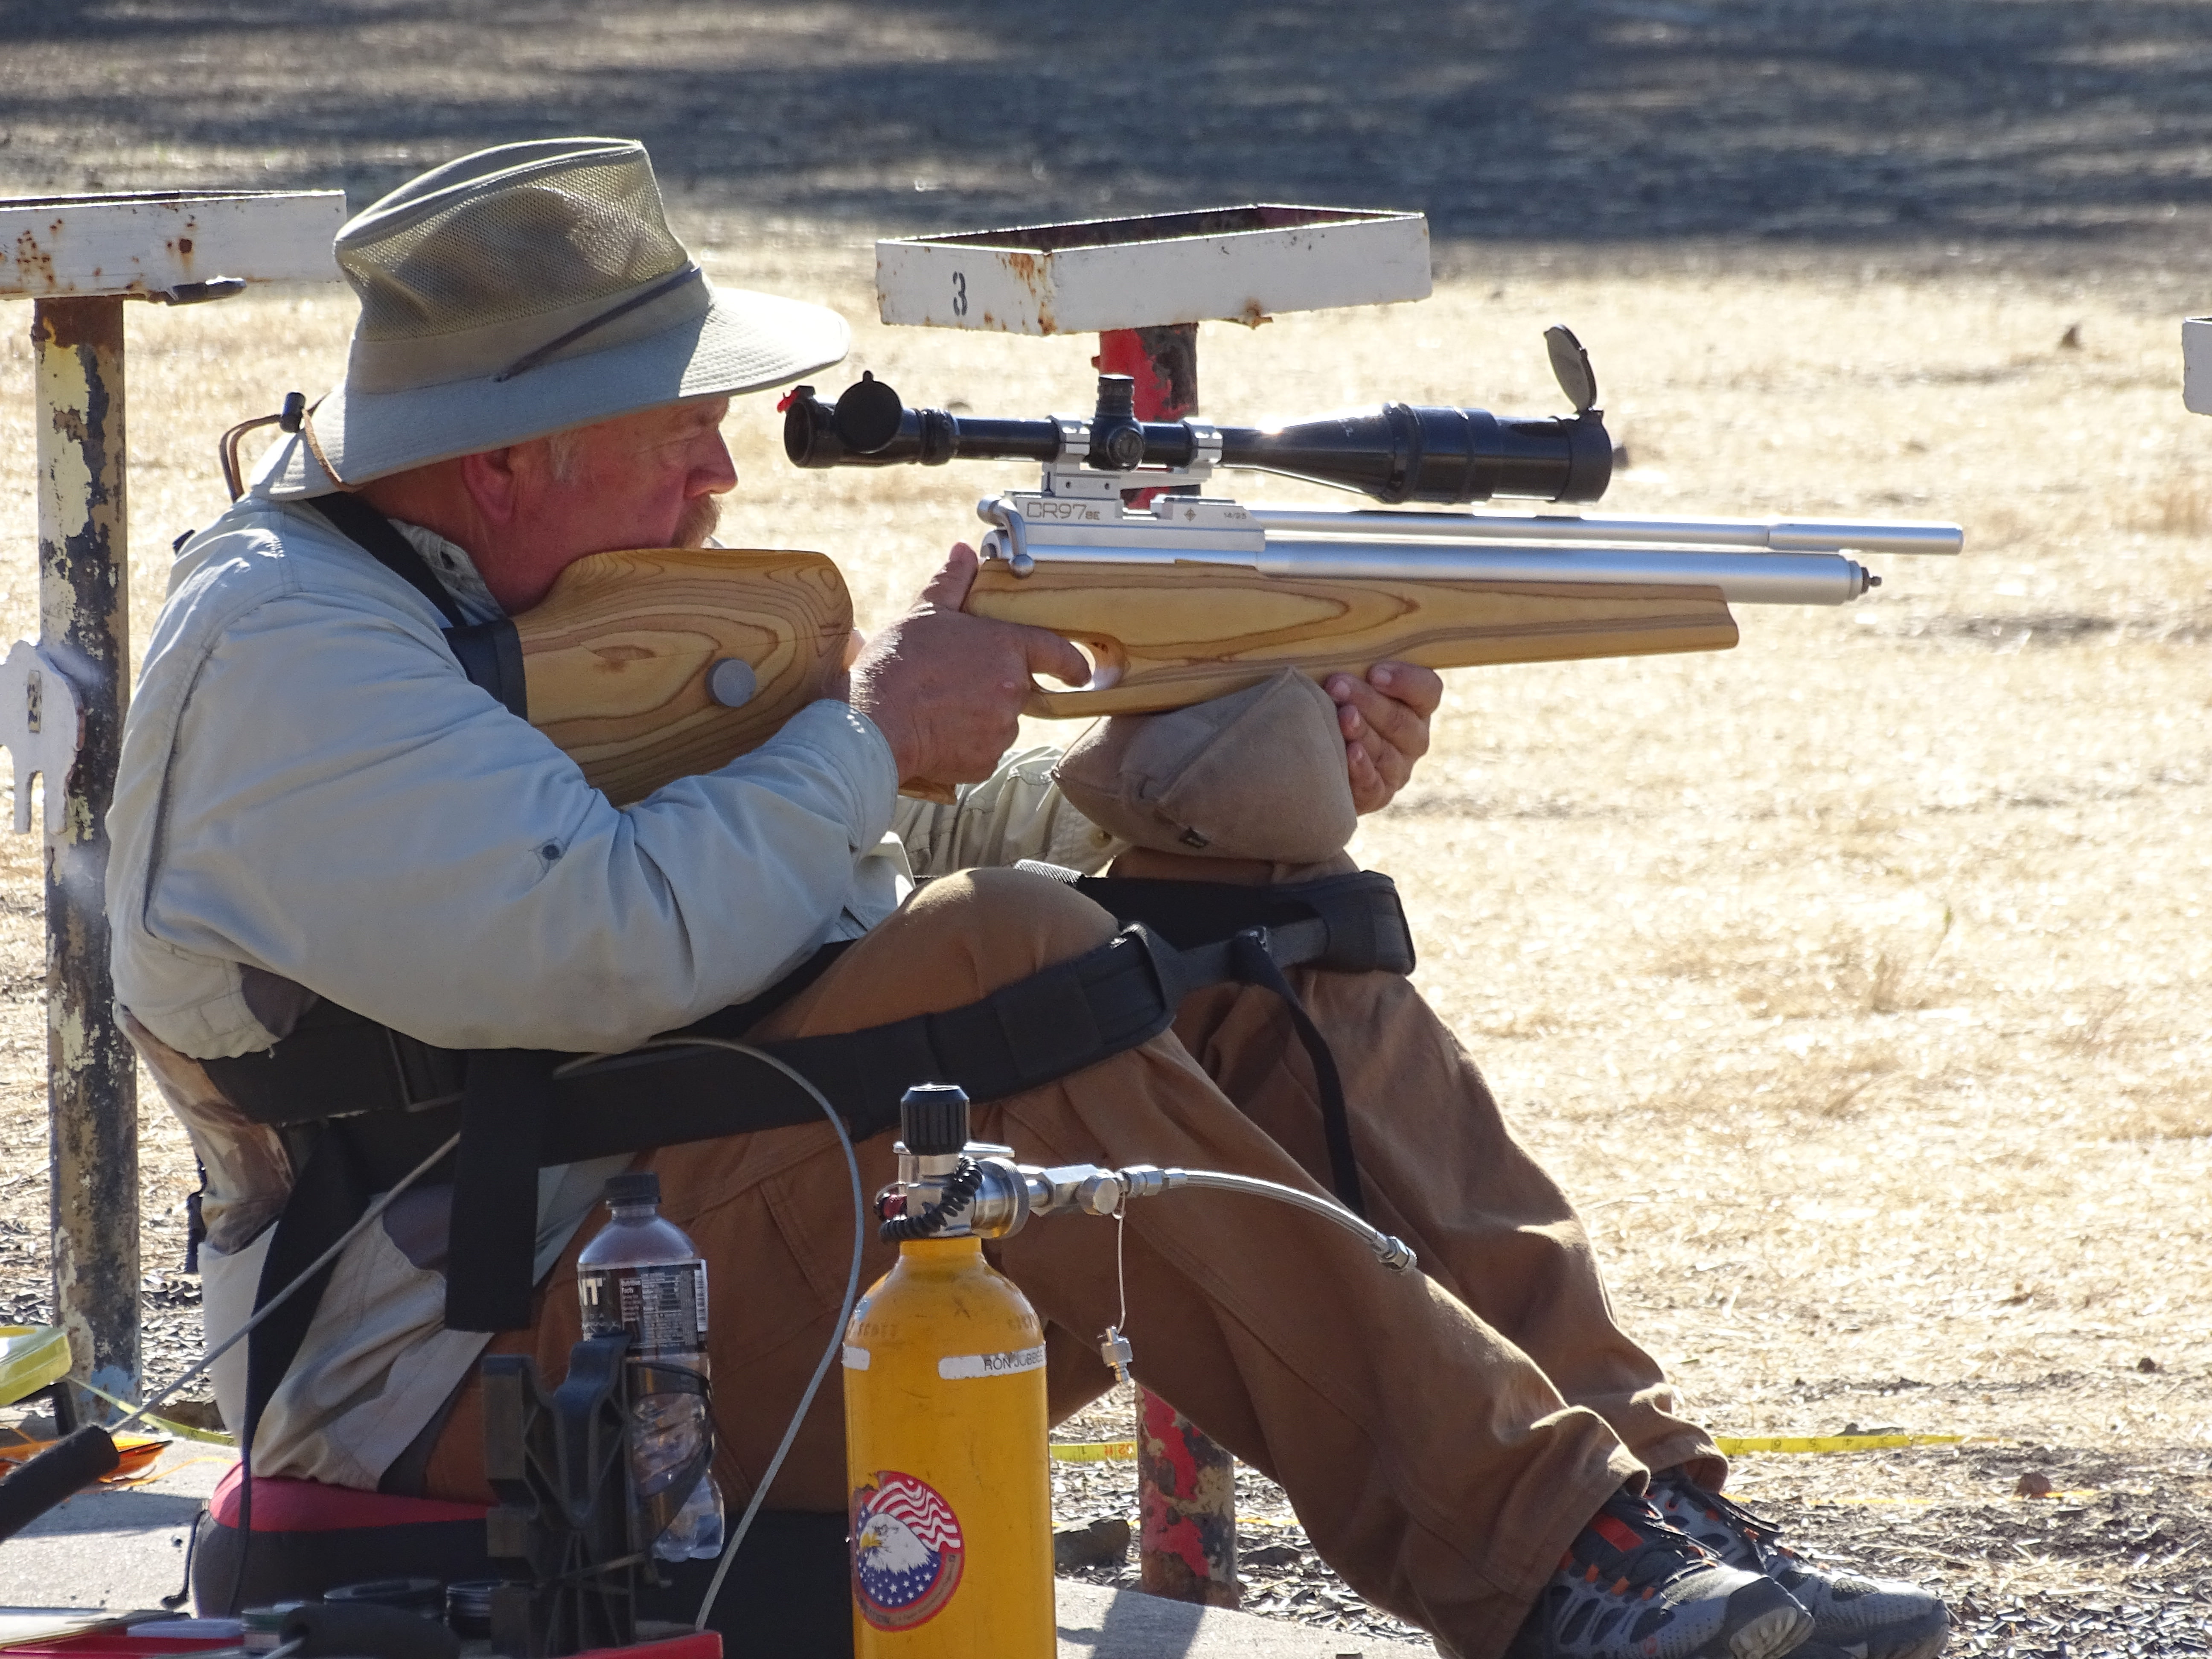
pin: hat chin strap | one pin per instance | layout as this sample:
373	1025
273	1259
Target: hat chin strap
315	446
531	360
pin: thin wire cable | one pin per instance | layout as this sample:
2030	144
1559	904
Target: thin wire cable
836	1332
1121	1281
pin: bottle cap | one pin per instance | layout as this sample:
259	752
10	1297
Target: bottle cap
933	1119
468	1608
632	1187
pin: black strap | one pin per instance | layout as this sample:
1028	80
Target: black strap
1363	928
490	653
362	524
493	1228
1252	965
329	1185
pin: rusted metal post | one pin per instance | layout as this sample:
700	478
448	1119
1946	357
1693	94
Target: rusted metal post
1186	1509
1185	1484
84	622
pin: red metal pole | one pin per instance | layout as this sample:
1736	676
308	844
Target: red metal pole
1162	362
1185	1484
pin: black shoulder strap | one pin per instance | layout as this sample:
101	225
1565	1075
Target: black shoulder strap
363	525
490	653
1362	924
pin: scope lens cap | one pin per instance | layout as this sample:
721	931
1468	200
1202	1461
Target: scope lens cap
1570	366
868	415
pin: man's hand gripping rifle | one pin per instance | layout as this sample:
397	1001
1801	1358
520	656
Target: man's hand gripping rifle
1179	596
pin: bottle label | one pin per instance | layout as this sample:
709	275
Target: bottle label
664	1307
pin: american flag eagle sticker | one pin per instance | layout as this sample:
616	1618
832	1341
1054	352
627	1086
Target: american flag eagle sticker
907	1551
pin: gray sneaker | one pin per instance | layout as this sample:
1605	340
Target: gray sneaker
1631	1586
1854	1618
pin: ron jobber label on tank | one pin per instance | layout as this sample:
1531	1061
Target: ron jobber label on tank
907	1551
1012	1363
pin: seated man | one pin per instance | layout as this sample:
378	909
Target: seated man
317	807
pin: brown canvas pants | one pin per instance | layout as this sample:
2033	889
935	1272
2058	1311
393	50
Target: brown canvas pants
1442	1434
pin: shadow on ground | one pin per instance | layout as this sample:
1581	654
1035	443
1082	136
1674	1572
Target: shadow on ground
2068	127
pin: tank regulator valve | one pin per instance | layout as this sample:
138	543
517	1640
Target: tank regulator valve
950	1186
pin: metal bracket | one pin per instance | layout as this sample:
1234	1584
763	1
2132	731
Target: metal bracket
41	726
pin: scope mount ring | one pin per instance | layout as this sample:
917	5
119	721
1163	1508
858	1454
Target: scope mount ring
1013	528
1204	452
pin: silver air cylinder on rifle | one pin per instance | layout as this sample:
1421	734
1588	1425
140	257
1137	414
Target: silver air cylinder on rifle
1029	530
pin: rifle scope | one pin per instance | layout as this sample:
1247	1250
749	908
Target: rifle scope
1397	453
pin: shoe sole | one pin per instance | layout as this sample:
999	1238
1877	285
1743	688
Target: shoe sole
1771	1634
1907	1645
1926	1647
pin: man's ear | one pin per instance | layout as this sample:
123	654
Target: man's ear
494	483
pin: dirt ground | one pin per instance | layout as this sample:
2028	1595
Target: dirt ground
1853	982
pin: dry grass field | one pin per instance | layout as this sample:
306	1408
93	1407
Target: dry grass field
1854	981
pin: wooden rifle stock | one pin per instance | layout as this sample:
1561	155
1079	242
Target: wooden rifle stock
1165	636
618	657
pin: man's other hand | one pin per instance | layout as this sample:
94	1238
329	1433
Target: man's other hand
1385	722
945	688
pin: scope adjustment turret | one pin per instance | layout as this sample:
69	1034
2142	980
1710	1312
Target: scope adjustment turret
1117	437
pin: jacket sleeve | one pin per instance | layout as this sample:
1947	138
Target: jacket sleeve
342	808
1018	812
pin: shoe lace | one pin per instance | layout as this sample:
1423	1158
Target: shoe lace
1764	1536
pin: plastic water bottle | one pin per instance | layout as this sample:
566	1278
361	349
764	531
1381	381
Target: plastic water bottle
641	1274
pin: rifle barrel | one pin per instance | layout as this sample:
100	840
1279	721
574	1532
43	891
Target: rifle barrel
1742	578
1757	535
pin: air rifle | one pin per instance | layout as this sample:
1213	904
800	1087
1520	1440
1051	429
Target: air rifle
651	665
1180	595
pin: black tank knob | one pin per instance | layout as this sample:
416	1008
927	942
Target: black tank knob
933	1119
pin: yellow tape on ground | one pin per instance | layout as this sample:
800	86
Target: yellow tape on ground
1731	1445
1736	1445
181	1431
1094	1451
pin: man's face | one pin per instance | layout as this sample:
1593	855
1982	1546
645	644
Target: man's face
643	480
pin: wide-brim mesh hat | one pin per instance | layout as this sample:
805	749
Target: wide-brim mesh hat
521	291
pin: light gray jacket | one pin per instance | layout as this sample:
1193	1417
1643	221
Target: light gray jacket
312	801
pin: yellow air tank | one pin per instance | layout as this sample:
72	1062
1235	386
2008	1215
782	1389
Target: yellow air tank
945	1436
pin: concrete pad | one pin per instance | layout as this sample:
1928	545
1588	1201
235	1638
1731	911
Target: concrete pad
122	1547
1098	1623
114	1546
